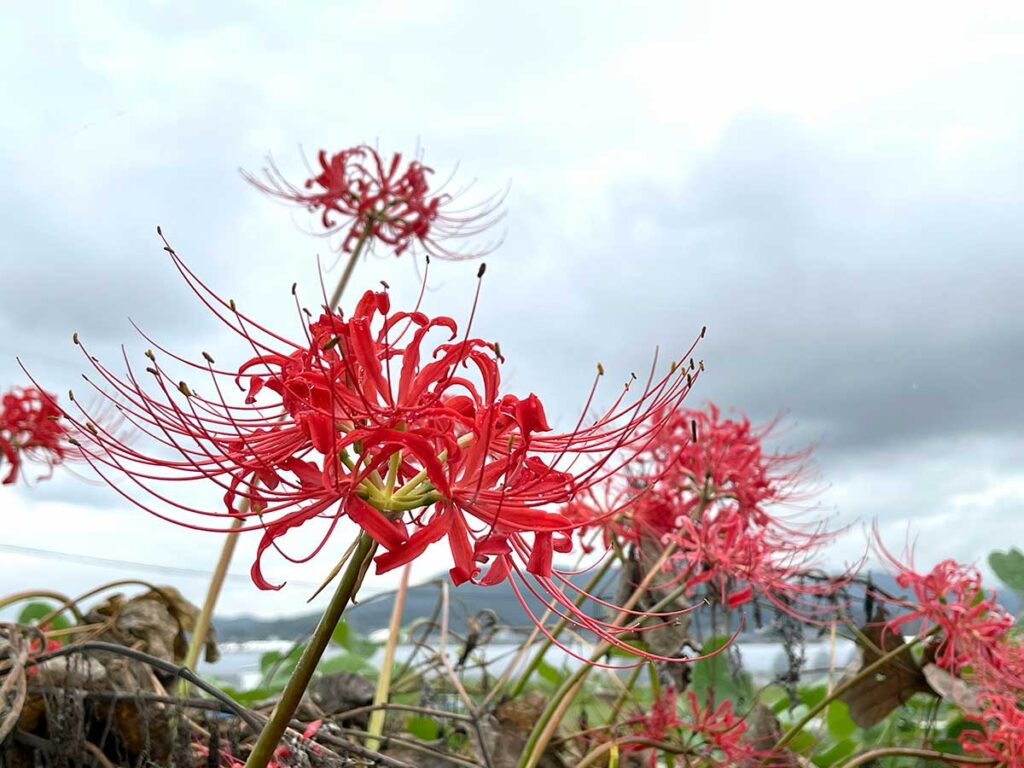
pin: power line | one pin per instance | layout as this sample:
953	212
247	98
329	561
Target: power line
173	570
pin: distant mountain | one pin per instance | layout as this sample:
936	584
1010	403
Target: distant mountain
467	601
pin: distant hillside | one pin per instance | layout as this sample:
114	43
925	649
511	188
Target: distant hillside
466	601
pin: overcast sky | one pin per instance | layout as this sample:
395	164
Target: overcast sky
835	190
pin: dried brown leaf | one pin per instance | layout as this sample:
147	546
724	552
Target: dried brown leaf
891	685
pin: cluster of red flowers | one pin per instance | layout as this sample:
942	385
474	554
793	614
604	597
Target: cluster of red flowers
1002	736
720	733
30	428
973	629
707	488
374	419
970	635
357	192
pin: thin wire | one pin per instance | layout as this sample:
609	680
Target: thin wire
50	554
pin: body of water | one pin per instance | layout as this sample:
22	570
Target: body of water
239	665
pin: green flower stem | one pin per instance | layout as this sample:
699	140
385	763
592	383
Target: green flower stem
627	689
347	274
870	669
538	657
279	719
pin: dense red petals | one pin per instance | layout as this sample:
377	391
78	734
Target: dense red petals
31	427
388	533
707	487
1002	736
371	202
722	732
973	629
390	420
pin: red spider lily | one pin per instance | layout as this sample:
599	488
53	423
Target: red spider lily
371	201
1002	737
659	724
709	489
372	418
30	428
973	629
721	733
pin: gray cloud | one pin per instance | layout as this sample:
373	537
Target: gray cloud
851	236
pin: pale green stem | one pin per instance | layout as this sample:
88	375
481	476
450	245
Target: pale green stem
220	572
376	725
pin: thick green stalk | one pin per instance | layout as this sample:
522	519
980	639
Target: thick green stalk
356	252
276	725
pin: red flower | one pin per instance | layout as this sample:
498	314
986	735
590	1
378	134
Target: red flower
357	192
1002	737
721	733
973	627
663	718
707	487
372	418
30	428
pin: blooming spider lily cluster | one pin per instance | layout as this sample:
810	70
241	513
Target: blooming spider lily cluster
398	422
369	200
391	419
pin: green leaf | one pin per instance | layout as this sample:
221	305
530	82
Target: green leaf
1009	567
811	695
802	742
345	662
840	725
835	753
250	697
347	638
713	678
423	728
269	659
550	673
775	698
36	610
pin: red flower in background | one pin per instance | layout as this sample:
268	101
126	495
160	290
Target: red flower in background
370	200
374	418
707	487
973	629
30	429
1002	737
722	733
